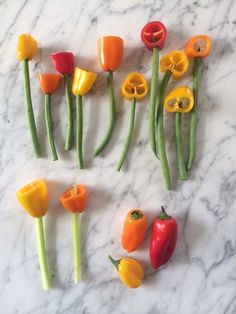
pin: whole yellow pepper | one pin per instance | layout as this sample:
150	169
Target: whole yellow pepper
27	47
83	81
130	271
33	197
179	99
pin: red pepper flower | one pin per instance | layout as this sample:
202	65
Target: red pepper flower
63	62
154	35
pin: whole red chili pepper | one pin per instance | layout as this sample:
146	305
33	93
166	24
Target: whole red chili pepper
163	239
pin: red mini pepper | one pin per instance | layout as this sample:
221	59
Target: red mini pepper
163	239
154	35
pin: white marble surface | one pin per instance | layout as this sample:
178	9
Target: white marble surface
201	278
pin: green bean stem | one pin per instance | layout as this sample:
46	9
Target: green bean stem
193	114
42	254
153	98
69	103
179	147
49	126
129	136
112	118
79	131
29	109
76	246
161	148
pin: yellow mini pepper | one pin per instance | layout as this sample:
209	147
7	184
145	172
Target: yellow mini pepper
176	62
82	83
33	197
130	271
27	47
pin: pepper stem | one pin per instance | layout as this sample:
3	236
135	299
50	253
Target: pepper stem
76	246
42	254
69	104
114	262
29	109
49	126
163	215
136	214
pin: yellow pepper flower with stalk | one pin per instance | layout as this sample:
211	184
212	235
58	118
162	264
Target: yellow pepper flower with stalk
82	83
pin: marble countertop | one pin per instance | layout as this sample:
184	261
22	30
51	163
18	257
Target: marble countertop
201	277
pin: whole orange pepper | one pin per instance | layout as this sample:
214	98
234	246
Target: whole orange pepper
110	50
134	230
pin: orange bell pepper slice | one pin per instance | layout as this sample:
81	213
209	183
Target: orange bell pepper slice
198	46
74	199
49	82
110	49
134	230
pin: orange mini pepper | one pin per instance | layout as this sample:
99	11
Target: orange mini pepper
198	46
134	230
110	50
49	82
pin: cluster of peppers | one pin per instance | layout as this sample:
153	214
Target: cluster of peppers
33	197
110	49
180	100
161	246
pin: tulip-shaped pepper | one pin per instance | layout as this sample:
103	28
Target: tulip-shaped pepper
110	49
34	199
27	48
75	201
130	271
173	64
82	83
153	35
197	47
49	83
63	62
134	88
180	100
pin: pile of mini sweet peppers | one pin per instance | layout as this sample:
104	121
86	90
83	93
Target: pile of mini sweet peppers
135	87
162	244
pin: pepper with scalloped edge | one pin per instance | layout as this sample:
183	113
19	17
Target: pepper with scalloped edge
153	35
173	64
49	83
74	200
110	50
27	48
179	100
134	88
130	271
197	47
63	63
82	83
33	197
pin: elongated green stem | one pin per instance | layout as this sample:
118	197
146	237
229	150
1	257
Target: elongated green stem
49	126
79	131
112	118
161	147
153	98
193	114
179	147
42	254
129	135
76	246
69	104
29	109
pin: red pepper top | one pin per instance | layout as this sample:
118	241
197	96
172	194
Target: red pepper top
63	62
163	239
154	35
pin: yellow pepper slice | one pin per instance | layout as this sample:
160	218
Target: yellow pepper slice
27	47
33	197
179	99
134	86
83	81
130	271
175	61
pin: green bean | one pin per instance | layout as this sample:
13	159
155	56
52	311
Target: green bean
179	147
193	114
49	126
79	131
69	103
129	136
29	109
112	118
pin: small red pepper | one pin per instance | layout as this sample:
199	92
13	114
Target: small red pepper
154	35
163	239
63	62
